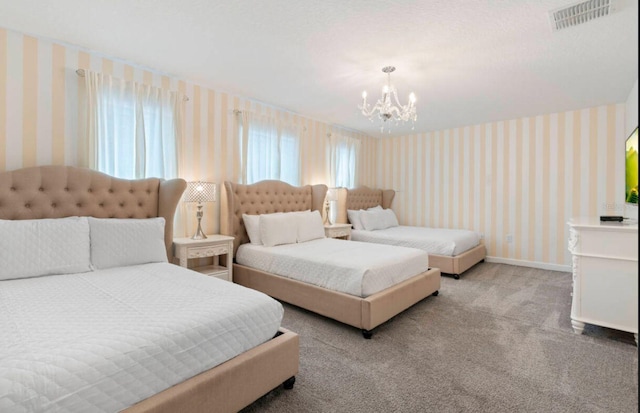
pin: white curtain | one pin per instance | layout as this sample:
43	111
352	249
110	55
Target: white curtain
343	158
132	129
270	149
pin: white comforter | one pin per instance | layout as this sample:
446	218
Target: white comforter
351	267
438	241
102	341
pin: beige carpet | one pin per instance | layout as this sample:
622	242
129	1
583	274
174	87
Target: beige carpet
497	340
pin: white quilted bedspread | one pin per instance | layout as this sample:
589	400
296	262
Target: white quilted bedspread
351	267
102	341
439	241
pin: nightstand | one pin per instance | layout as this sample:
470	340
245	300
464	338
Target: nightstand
213	246
342	231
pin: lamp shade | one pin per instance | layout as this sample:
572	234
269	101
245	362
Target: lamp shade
198	191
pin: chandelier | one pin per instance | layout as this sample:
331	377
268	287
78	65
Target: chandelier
385	109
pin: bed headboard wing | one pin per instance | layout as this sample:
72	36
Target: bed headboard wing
264	197
62	191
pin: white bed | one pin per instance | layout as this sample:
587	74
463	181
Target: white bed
354	268
452	251
93	318
439	241
104	340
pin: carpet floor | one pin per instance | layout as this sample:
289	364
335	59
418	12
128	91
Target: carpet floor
497	340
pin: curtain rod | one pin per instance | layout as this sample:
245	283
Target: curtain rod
81	73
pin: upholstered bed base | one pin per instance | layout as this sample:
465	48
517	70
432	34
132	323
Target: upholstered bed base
61	191
234	384
364	313
275	196
364	197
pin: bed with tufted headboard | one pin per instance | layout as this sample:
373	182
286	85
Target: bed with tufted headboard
363	197
366	313
44	192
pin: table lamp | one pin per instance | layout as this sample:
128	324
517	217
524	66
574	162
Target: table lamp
198	191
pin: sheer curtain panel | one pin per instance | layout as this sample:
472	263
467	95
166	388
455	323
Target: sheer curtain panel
344	152
132	129
270	149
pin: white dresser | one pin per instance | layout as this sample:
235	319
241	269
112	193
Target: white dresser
605	274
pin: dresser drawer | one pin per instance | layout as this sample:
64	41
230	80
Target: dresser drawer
210	251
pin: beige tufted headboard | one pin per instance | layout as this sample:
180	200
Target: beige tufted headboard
363	197
264	197
62	191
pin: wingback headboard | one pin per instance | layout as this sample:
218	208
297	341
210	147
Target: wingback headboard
364	197
62	191
264	197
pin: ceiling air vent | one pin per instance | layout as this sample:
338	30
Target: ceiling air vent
579	13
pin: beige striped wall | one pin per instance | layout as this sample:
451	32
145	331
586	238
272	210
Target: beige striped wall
40	118
522	178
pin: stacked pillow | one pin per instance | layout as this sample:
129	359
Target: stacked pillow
32	248
372	219
283	227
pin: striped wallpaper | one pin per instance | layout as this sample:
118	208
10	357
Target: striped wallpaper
517	182
41	119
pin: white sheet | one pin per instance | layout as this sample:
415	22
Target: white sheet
351	267
101	341
438	241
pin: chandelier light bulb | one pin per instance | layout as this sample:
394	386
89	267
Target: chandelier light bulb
364	94
412	97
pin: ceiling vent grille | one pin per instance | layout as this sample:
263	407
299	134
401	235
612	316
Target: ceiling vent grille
579	13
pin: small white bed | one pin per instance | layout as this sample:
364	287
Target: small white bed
104	340
354	268
453	251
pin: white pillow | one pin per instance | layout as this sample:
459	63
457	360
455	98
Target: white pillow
252	225
390	218
354	218
375	208
378	219
310	226
122	242
34	247
278	229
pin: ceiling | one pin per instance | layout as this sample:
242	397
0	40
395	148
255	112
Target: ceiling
468	61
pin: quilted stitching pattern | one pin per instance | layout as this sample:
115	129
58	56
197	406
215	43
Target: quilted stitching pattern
122	242
102	341
32	248
355	268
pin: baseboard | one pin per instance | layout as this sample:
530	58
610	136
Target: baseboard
531	264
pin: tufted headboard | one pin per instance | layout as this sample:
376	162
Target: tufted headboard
264	197
364	197
62	191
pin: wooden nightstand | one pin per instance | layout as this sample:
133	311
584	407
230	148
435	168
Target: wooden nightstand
214	246
342	231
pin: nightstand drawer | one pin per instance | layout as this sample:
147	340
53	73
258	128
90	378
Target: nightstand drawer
210	251
340	233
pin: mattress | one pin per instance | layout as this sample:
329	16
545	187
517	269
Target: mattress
102	341
351	267
438	241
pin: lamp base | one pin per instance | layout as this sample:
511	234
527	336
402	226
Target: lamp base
199	234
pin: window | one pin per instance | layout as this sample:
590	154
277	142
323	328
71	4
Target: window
132	128
344	161
271	149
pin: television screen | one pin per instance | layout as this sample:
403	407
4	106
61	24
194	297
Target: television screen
631	169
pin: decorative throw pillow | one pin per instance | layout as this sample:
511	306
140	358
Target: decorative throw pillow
121	242
252	225
310	226
35	247
278	229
